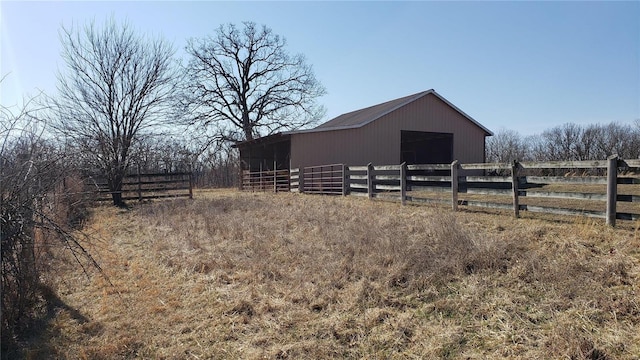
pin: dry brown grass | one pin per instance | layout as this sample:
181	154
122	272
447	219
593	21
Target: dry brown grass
241	275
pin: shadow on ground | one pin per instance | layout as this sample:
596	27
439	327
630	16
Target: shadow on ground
33	340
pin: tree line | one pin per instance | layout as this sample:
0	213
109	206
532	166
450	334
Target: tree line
568	141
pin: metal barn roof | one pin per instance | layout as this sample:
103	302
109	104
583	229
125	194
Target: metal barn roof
362	117
359	118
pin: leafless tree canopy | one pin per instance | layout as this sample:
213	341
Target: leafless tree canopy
245	83
567	142
505	146
116	88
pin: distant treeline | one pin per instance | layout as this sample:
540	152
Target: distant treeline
219	166
566	142
215	166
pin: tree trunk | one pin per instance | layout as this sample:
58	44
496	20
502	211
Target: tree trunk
115	187
246	126
117	199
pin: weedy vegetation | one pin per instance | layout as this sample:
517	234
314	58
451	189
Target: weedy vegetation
242	275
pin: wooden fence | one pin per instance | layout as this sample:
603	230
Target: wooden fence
560	195
603	189
146	186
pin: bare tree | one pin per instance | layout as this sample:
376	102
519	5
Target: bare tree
117	89
586	147
245	83
562	141
619	139
506	146
164	154
577	142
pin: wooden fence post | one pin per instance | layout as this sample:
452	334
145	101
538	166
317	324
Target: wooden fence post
454	185
289	177
403	183
275	178
370	186
139	185
345	180
301	180
514	187
612	189
190	185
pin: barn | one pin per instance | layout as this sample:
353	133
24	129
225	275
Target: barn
422	128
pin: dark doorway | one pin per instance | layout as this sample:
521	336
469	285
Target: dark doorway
264	155
419	147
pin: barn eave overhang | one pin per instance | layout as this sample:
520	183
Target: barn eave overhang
263	141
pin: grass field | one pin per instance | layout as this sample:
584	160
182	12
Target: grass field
240	275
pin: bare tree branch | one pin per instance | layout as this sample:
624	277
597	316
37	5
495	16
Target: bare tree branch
244	82
36	212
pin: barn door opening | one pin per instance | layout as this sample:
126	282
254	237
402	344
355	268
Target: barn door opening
420	147
266	156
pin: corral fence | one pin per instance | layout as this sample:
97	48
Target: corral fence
324	179
268	180
607	189
146	186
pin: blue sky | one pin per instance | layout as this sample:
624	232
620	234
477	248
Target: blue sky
524	66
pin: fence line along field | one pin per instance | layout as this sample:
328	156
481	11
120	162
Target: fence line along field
259	275
144	186
607	189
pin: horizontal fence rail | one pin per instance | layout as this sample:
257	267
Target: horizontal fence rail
601	189
145	186
268	180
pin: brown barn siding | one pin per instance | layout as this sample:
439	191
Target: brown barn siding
341	146
379	142
432	114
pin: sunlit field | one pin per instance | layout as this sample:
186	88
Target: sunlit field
252	275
